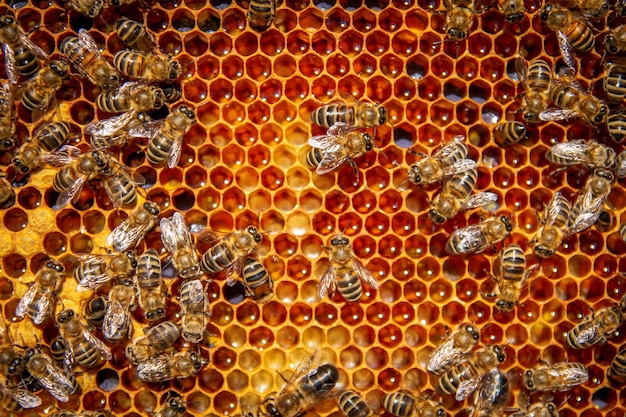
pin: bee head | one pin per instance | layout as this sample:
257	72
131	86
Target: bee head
99	159
514	17
473	331
542	251
601	114
175	70
172	92
457	34
159	98
504	305
156	314
500	354
414	174
368	142
197	360
178	405
528	380
254	232
60	67
434	215
188	112
132	258
20	166
65	315
58	267
7	20
545	12
151	208
507	223
610	44
382	115
339	241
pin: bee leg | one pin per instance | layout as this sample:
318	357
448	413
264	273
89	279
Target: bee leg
353	165
422	154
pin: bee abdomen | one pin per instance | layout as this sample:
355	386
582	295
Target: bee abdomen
129	63
254	272
159	148
86	355
314	157
25	62
349	285
328	115
580	36
216	259
618	366
53	135
32	99
398	404
353	405
450	381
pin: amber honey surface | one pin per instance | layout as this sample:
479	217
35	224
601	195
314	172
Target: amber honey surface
244	163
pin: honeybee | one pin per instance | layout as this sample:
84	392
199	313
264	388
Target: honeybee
476	238
46	139
195	311
492	395
561	376
618	366
344	272
156	340
590	201
150	67
96	270
230	251
114	130
21	56
465	377
166	136
340	144
41	367
620	165
134	228
307	387
571	31
459	17
511	277
117	317
11	363
261	14
94	311
40	91
596	328
7	194
79	343
455	197
39	300
615	83
508	133
7	127
450	352
134	34
357	115
351	404
616	124
84	54
151	288
177	240
165	368
17	399
615	40
256	280
540	409
90	8
174	407
448	160
513	10
589	153
131	97
593	9
537	82
572	101
553	226
404	404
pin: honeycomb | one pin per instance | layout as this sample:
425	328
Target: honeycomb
244	163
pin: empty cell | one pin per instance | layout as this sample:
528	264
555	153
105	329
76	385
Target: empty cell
234	21
430	44
441	113
298	42
364	65
404	43
377	43
351	43
272	42
310	65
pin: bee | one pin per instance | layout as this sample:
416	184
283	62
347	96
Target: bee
17	399
617	369
616	124
97	270
174	407
352	405
7	194
596	328
40	91
261	13
571	30
307	387
117	317
194	305
459	17
562	376
615	40
590	201
478	237
508	133
404	404
465	377
7	127
11	363
540	409
84	54
589	153
90	8
513	10
594	9
615	84
80	344
156	340
512	276
39	300
230	251
41	367
450	352
151	288
135	34
355	115
94	311
131	96
340	144
344	272
21	56
165	368
114	130
134	228
150	67
166	136
455	197
448	160
492	396
553	227
256	280
177	240
620	165
572	101
46	139
537	82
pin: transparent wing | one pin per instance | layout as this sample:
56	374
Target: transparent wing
553	209
554	114
459	167
586	333
111	126
451	149
328	282
236	267
522	72
45	306
88	43
115	319
468	386
68	354
168	235
307	365
146	130
125	234
97	344
56	382
566	49
471	239
36	50
567	374
573	151
9	60
70	194
182	230
340	129
324	142
330	162
26	300
195	301
115	189
364	273
23	397
583	221
177	147
155	369
444	356
479	200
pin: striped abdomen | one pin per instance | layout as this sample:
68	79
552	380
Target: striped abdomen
539	76
348	283
580	36
159	148
217	258
131	64
450	381
329	114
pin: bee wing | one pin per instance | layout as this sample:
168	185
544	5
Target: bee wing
583	221
97	344
450	149
63	156
71	193
27	298
568	375
124	234
88	43
307	365
566	49
330	162
168	235
177	147
586	332
56	382
45	306
471	239
522	72
324	142
340	129
574	151
111	126
115	319
479	200
236	267
115	190
36	50
182	230
23	397
327	283
459	167
196	298
9	59
554	114
552	211
154	369
364	273
146	130
444	356
620	167
467	387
